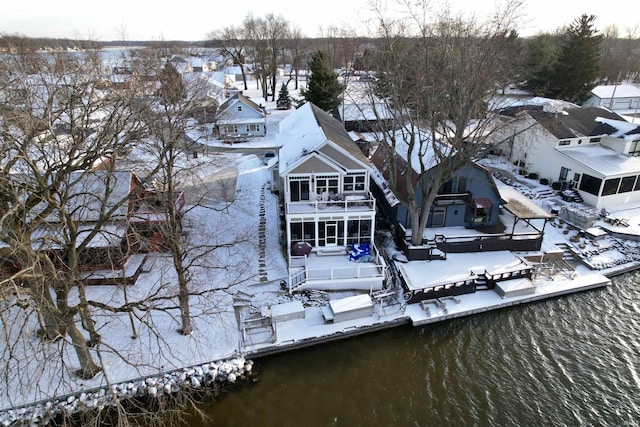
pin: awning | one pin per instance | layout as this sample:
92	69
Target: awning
481	203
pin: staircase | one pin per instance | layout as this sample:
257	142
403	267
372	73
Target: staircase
571	195
482	284
567	254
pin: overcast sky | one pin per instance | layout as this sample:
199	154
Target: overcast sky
193	19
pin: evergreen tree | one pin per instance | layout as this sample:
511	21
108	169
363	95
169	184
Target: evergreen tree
284	100
578	65
323	90
542	57
171	84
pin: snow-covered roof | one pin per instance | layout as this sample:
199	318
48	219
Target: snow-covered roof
425	152
624	129
577	122
307	129
351	112
624	90
603	160
520	205
228	113
548	104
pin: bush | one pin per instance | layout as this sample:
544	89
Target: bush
544	181
556	185
532	175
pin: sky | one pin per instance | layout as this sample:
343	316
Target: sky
193	19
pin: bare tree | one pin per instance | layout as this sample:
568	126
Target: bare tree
65	213
436	74
619	59
268	37
297	53
231	42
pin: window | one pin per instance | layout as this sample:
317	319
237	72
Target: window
610	186
303	232
327	183
627	183
590	184
299	188
564	172
634	149
564	142
253	128
358	231
239	107
594	140
457	185
576	177
353	182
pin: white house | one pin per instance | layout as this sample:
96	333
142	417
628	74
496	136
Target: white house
240	118
622	98
592	151
329	210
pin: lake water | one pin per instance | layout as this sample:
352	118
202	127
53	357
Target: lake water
573	361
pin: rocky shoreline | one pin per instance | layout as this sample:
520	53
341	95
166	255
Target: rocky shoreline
204	377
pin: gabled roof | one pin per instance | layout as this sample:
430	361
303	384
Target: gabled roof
382	173
238	97
625	90
309	128
578	122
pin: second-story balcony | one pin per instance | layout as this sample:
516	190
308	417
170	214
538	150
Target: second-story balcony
363	202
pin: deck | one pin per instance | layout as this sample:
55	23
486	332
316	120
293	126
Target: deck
332	270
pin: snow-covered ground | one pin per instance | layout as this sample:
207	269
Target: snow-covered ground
248	274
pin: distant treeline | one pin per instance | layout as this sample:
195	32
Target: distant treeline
13	42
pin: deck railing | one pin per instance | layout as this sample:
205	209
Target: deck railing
349	204
297	277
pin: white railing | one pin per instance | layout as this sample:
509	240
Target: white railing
355	271
351	203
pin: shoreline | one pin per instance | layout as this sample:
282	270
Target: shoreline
194	378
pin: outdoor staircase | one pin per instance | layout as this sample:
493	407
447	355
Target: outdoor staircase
482	284
567	254
571	195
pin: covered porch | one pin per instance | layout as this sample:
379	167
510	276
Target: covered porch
520	228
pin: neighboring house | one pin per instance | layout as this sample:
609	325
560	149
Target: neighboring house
469	199
364	117
235	72
200	65
466	216
591	151
239	118
324	183
622	98
135	223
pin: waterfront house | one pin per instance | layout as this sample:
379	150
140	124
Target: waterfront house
329	211
591	152
114	218
240	118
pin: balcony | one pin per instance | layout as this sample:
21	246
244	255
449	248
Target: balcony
334	203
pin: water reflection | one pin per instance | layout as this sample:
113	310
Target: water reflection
567	361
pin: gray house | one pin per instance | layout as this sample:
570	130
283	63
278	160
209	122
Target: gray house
240	118
470	198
